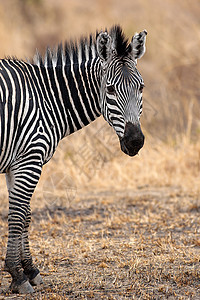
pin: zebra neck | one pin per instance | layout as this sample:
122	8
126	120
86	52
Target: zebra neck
77	89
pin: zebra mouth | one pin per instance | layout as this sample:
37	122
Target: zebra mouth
129	151
133	139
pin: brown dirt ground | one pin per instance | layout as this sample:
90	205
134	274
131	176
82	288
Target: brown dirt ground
130	244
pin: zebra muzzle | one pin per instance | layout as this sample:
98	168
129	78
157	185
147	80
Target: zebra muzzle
133	139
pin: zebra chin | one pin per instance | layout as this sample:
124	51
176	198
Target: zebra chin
133	139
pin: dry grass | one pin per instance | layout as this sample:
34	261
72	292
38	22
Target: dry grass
106	225
142	244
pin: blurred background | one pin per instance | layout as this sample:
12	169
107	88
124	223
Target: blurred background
171	71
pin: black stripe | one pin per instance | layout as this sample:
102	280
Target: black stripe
82	92
66	100
74	94
10	108
91	71
43	97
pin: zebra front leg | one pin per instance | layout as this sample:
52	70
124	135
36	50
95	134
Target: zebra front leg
13	265
21	182
30	270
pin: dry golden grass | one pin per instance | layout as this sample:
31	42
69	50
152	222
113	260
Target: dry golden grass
106	225
116	245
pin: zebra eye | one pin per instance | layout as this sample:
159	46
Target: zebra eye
141	88
110	89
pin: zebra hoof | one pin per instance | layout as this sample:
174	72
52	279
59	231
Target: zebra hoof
37	280
24	288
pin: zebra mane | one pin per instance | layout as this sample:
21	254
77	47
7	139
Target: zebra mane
84	49
63	54
120	41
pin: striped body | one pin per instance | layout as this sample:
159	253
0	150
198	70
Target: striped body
44	101
40	105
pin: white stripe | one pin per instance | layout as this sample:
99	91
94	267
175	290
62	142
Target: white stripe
71	101
79	94
83	82
11	120
61	102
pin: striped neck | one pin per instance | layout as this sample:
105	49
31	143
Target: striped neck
74	76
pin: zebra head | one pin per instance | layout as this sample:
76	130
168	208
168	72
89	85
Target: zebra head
122	86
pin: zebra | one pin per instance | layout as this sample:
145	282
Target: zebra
50	97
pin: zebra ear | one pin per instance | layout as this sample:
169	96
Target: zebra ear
137	45
104	46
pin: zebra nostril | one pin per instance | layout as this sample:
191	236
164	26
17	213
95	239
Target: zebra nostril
133	139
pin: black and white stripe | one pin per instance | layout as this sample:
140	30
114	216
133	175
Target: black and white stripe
124	84
47	99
